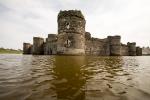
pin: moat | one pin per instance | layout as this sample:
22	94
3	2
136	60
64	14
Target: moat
34	77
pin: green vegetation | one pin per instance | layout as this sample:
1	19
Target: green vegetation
10	51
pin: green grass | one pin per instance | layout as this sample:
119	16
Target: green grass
10	51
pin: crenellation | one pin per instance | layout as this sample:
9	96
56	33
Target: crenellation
69	13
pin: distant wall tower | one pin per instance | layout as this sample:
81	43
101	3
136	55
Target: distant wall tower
38	45
138	51
71	32
132	48
27	48
115	45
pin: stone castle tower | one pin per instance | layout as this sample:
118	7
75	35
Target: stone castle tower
38	46
27	48
132	48
71	33
114	45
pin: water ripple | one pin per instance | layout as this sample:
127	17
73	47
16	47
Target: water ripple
27	77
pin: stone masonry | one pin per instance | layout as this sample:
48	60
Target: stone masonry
72	39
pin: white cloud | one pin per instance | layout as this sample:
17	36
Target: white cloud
20	20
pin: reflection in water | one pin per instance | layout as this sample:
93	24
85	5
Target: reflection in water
27	77
69	80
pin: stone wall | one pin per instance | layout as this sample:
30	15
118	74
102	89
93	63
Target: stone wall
93	46
124	50
51	45
146	51
96	46
38	45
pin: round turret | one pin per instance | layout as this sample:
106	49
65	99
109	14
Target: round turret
87	35
71	32
138	51
27	48
115	45
38	47
132	48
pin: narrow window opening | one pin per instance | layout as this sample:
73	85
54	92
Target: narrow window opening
68	26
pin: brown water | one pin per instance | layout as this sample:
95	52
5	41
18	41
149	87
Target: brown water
27	77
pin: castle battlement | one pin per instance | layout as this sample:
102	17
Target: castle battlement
131	43
70	13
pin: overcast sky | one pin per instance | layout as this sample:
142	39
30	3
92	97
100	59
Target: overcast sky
20	20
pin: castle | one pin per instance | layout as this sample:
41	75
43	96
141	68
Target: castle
72	39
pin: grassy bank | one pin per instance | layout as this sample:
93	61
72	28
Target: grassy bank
9	51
